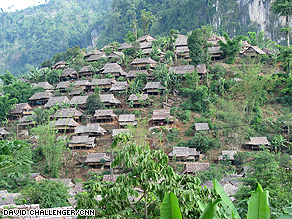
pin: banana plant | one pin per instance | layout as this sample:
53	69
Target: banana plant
258	205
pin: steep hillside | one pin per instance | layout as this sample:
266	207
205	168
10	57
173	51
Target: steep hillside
30	36
232	17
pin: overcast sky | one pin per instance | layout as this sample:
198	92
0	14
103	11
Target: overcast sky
18	4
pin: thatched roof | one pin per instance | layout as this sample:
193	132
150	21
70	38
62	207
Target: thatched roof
44	85
201	126
41	95
181	40
116	54
184	152
119	86
145	38
153	85
106	81
79	100
229	154
268	51
90	128
182	49
125	46
147	60
61	63
201	69
256	49
215	50
93	52
133	73
4	132
67	113
86	69
34	175
19	107
161	114
27	119
194	167
245	43
118	131
102	113
146	45
134	97
109	98
83	139
69	72
113	68
108	178
69	122
81	83
127	118
183	69
94	58
258	141
56	100
215	39
96	158
106	46
76	92
63	85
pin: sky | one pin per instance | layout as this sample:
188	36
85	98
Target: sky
18	4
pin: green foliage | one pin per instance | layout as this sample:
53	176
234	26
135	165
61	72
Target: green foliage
94	103
40	116
198	45
34	35
286	57
170	207
7	78
183	115
230	48
201	142
258	205
46	193
6	105
198	101
260	40
53	76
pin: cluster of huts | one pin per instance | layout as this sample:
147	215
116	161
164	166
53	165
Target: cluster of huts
75	87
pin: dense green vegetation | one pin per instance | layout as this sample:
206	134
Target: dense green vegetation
29	37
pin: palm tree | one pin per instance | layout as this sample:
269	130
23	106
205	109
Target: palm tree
40	116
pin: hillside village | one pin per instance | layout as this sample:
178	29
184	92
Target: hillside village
110	76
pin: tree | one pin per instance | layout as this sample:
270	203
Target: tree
53	76
6	105
147	18
231	47
198	45
46	193
149	171
283	8
40	116
286	57
7	78
93	103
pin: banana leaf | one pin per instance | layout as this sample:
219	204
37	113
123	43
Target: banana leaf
210	210
170	207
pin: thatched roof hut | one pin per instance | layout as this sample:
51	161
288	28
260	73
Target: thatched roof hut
153	87
133	73
184	153
78	100
83	141
119	86
114	69
146	38
181	40
104	116
97	159
40	98
63	85
143	62
255	142
68	113
183	69
161	117
118	131
69	73
127	119
56	101
125	46
45	85
194	167
93	130
59	65
3	133
19	110
104	84
109	100
95	57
